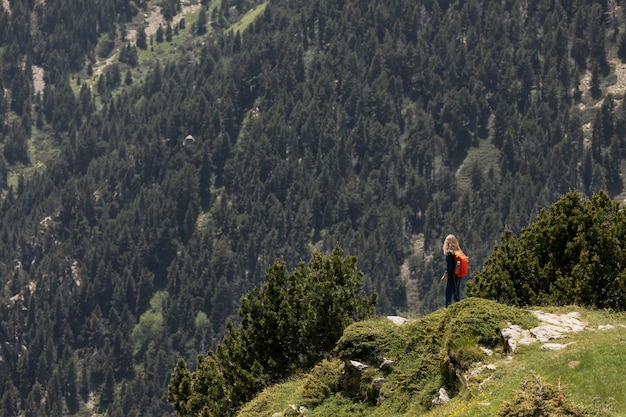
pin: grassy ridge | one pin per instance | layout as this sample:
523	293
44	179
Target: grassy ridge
582	379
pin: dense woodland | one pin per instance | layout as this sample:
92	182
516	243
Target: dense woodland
140	203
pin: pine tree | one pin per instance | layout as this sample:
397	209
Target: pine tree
71	391
168	32
159	34
288	324
9	405
142	38
570	254
594	86
108	390
201	23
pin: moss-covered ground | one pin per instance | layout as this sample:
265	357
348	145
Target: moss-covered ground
451	349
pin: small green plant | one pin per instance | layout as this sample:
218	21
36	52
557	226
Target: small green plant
323	380
465	351
291	412
535	398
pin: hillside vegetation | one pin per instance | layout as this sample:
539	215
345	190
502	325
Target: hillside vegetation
578	374
157	157
294	320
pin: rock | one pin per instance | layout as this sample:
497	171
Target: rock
554	346
356	365
605	327
487	351
352	374
480	367
397	320
568	321
387	364
547	332
515	334
553	327
377	384
442	398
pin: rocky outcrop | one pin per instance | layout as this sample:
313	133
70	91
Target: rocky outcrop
552	327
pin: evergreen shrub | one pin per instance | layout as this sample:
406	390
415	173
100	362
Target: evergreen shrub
321	381
571	254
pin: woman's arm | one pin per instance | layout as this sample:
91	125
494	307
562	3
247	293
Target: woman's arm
450	264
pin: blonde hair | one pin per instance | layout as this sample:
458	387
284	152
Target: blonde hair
451	244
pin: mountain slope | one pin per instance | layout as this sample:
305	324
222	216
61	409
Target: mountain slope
139	205
571	372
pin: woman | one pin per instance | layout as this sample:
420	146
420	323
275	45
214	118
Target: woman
450	248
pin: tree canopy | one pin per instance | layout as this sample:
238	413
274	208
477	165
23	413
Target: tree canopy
134	171
286	326
571	254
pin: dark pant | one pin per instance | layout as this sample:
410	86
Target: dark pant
452	290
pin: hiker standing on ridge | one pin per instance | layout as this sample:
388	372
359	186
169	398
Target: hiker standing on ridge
456	268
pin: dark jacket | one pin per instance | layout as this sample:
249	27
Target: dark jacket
452	282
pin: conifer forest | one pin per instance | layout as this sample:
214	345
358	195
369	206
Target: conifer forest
159	156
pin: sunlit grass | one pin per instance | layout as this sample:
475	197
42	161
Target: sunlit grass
587	375
588	372
486	155
247	19
277	399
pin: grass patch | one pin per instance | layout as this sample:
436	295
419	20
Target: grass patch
486	156
247	19
590	371
41	149
583	379
277	399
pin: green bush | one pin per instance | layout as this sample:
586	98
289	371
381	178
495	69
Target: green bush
368	341
465	352
571	254
287	326
481	321
323	380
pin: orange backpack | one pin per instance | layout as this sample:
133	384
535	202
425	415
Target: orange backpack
461	269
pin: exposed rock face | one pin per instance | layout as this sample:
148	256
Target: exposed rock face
377	384
514	335
552	327
570	321
355	366
352	376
